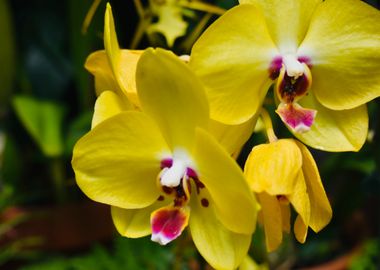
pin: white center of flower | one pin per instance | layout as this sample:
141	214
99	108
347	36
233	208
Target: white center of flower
293	67
171	177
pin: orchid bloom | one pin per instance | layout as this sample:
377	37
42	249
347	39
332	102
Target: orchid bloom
115	70
322	56
280	173
284	172
160	170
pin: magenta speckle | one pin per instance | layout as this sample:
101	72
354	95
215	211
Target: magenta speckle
274	67
166	163
306	60
191	173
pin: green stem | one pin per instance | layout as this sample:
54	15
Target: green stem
268	125
58	176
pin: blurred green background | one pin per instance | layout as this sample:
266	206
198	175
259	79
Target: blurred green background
46	104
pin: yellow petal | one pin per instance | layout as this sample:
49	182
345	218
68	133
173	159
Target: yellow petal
335	131
271	217
134	223
301	203
123	62
285	215
300	229
343	42
321	213
97	64
232	58
107	105
273	167
287	20
172	95
221	248
235	206
117	162
249	264
232	137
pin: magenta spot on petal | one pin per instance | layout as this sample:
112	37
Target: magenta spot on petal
306	60
166	163
167	190
167	224
274	67
191	173
205	202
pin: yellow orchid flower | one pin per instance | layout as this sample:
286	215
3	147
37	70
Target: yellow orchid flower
114	70
324	57
160	170
284	172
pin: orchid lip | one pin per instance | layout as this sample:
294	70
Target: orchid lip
168	223
177	177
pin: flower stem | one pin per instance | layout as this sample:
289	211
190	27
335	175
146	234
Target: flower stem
268	125
57	174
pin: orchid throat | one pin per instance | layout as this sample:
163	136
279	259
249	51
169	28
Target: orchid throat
293	82
175	182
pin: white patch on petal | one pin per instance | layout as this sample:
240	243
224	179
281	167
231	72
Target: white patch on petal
171	177
294	68
160	238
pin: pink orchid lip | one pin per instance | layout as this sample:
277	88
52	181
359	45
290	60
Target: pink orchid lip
298	119
168	223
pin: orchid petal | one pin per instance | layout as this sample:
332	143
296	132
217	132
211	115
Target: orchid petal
271	217
300	229
232	137
217	170
233	58
107	105
285	214
287	21
301	203
273	167
134	223
172	95
117	162
335	131
221	248
343	43
97	64
123	62
321	213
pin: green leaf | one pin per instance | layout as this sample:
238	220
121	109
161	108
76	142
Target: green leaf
43	121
